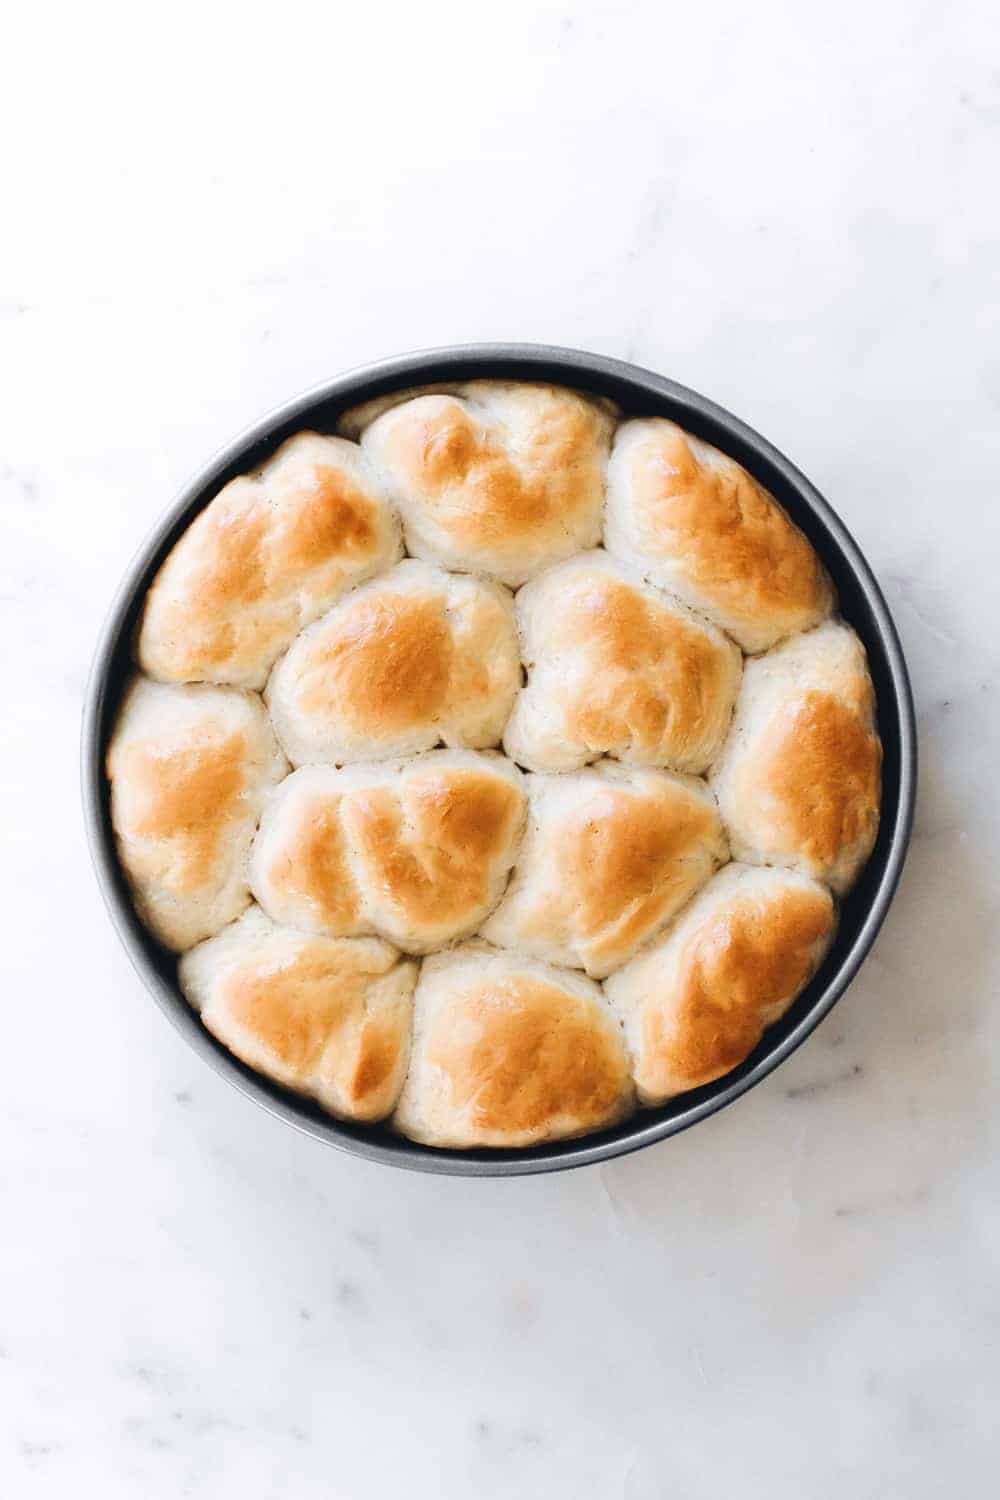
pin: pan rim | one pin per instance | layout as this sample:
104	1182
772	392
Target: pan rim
587	371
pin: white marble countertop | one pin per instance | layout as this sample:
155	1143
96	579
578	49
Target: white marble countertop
790	208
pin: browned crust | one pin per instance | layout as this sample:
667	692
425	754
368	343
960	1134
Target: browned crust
183	799
387	664
518	1055
734	542
648	676
735	969
430	848
816	781
438	449
307	1011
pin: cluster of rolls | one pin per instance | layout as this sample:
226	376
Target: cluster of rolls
499	837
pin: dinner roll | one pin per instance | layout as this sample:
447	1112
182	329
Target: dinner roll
509	1052
695	522
500	478
799	780
189	768
696	1002
271	552
617	668
417	851
328	1017
413	658
609	856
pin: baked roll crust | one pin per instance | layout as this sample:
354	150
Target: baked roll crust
414	658
799	780
269	554
617	668
509	1052
418	852
494	477
696	1003
695	522
189	769
327	1017
609	856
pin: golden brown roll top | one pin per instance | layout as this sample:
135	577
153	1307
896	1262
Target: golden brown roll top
271	552
617	668
189	768
416	657
696	523
328	1017
695	1004
509	1052
418	852
799	781
497	477
609	856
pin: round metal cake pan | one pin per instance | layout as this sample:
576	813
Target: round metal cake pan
639	393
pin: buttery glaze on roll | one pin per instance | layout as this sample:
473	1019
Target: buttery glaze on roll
269	554
327	1017
696	1003
617	668
418	851
609	856
414	658
497	478
696	523
189	769
799	781
508	1051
